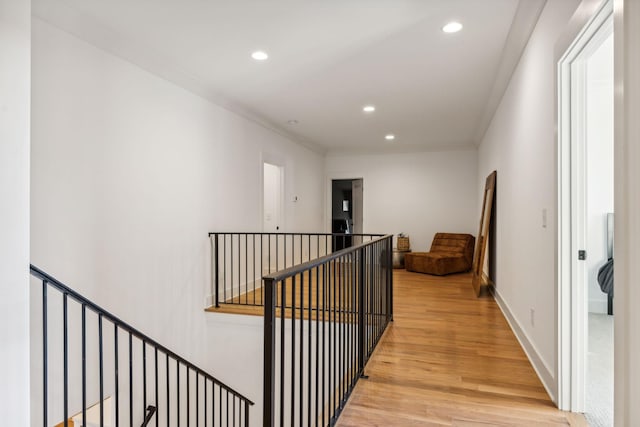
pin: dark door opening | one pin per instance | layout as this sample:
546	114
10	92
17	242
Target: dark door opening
346	211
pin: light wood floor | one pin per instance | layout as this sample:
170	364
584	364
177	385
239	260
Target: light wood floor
337	284
449	359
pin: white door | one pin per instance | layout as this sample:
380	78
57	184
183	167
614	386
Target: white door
272	245
272	203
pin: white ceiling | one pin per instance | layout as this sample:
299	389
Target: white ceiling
328	58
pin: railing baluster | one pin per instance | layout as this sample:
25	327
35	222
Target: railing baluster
269	253
261	267
351	322
253	278
116	374
231	267
341	329
324	311
206	402
188	396
239	268
246	268
155	367
168	394
224	266
217	271
130	379
65	332
360	310
144	379
317	358
213	403
309	361
227	407
332	337
301	385
177	392
293	347
283	308
101	364
45	356
197	399
84	362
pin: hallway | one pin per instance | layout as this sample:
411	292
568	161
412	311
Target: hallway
449	359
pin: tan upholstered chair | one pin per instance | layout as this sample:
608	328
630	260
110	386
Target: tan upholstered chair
450	253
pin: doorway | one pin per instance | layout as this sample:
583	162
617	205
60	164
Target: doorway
272	198
585	152
346	212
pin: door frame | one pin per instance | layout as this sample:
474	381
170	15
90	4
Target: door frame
328	196
275	161
594	21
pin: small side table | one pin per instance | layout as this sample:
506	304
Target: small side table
398	257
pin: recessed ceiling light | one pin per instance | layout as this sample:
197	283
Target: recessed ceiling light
259	55
292	122
369	109
390	137
452	27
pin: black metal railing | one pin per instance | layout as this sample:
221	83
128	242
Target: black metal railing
322	321
90	355
241	259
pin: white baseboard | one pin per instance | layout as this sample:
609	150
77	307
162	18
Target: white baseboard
544	373
236	290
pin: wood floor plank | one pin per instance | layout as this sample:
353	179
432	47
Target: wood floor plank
449	359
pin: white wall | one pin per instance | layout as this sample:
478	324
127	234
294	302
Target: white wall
416	193
129	175
15	57
520	145
599	122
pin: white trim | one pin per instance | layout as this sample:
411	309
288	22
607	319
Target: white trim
590	19
328	196
280	162
544	372
577	224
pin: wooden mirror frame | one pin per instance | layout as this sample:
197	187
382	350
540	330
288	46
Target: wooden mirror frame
479	280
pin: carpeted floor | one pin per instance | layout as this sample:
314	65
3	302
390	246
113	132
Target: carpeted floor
599	396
